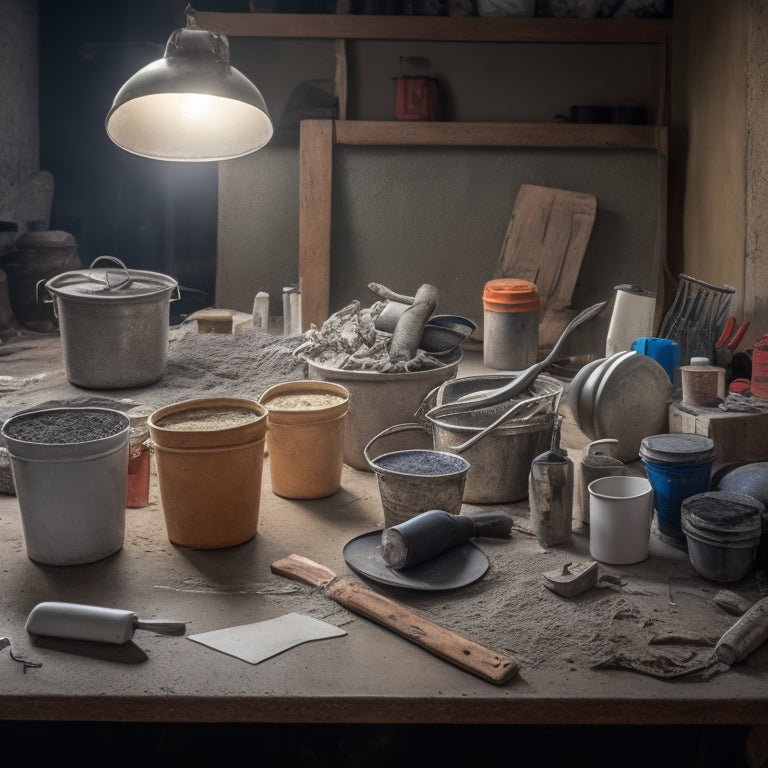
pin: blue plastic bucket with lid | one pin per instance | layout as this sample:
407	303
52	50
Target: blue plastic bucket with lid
678	466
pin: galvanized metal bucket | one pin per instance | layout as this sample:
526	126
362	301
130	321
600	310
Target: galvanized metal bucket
500	459
416	480
114	324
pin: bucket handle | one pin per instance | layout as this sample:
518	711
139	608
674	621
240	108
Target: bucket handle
44	301
409	427
534	405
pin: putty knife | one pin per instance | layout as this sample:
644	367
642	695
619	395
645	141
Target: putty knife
90	622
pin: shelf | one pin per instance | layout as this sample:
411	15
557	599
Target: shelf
439	28
549	135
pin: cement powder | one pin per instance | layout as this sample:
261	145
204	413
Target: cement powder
200	365
653	622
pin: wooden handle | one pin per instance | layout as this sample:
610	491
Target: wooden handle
303	569
450	646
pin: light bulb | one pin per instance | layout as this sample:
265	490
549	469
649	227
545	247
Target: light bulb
195	105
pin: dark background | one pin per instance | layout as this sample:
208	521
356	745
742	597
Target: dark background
150	214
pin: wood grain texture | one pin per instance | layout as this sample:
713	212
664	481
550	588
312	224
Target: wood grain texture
315	159
486	663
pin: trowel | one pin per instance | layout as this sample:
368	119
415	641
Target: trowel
89	622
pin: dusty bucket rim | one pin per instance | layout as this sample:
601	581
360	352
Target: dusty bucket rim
301	386
640	482
449	362
462	465
163	437
36	412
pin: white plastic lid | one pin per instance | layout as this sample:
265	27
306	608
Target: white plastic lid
700	361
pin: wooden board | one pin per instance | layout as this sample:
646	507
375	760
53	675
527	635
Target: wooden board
545	243
738	436
546	240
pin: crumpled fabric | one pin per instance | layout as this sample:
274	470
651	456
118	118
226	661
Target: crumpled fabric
348	340
743	403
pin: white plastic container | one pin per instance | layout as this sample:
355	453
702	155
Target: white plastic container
71	494
620	514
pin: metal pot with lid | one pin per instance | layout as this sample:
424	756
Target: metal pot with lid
114	324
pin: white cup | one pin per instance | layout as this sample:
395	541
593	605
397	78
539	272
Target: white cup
620	514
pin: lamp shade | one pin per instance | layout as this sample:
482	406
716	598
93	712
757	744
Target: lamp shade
191	105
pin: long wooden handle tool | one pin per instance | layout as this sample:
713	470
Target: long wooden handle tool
486	663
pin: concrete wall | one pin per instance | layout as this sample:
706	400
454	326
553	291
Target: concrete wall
25	193
724	108
404	216
756	262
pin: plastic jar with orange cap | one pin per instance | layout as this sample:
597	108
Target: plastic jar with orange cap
511	324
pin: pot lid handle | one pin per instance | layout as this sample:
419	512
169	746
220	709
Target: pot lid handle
125	280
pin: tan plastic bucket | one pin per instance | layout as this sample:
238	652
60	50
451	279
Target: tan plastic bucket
305	437
210	456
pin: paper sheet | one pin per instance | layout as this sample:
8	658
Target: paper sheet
256	642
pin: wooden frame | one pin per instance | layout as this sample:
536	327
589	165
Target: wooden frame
318	137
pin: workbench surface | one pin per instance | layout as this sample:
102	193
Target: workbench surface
370	675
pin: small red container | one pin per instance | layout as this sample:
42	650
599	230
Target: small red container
417	99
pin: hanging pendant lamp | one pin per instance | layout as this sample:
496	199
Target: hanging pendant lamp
191	105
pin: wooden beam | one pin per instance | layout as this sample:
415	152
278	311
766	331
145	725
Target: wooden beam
315	163
549	135
464	29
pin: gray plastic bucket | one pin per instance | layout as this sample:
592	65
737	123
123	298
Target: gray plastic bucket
71	494
379	400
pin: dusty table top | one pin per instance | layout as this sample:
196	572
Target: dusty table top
574	654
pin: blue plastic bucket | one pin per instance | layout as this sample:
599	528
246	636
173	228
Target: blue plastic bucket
677	466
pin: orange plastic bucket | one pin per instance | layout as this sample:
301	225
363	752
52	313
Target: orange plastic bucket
306	423
210	456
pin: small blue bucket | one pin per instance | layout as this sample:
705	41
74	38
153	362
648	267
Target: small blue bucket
678	466
664	351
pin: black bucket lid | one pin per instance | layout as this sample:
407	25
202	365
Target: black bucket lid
678	448
722	516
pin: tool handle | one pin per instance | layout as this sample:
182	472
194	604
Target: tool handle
81	622
423	537
745	636
171	628
304	570
486	663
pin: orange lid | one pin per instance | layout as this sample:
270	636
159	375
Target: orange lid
510	294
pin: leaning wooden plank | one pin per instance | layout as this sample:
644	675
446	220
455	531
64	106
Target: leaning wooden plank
315	176
546	240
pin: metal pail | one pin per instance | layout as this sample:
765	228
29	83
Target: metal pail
379	400
501	460
416	480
